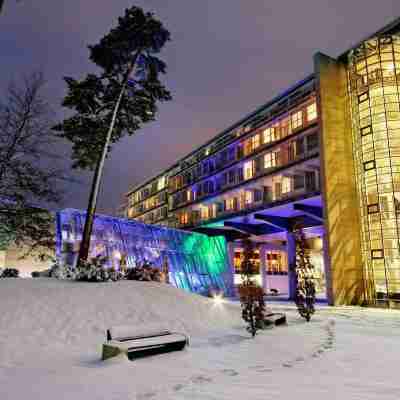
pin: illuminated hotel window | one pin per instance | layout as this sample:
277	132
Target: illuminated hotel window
286	128
248	197
297	119
189	195
230	203
256	141
248	170
362	97
376	254
184	218
248	146
161	183
270	160
286	184
204	212
312	112
373	208
369	165
267	135
366	130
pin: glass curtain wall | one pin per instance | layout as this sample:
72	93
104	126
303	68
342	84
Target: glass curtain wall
196	262
374	80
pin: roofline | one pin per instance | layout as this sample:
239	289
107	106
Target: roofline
389	28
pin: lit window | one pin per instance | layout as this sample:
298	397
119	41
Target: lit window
369	165
248	197
184	218
373	208
230	203
267	135
248	170
362	97
312	112
286	184
256	141
366	130
297	119
269	160
376	254
204	212
248	147
189	195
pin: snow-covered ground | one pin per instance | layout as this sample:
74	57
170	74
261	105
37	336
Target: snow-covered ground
51	334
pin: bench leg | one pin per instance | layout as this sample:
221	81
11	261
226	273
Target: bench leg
110	351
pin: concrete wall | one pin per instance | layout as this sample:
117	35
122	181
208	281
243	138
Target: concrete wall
345	280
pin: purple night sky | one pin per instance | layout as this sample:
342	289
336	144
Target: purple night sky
226	57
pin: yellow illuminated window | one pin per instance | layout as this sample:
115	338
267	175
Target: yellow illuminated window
248	170
267	135
312	112
369	165
362	97
248	146
230	203
297	119
270	160
373	208
248	197
256	141
366	130
376	254
184	218
204	212
161	183
286	184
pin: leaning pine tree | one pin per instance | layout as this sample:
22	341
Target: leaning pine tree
250	293
305	291
117	100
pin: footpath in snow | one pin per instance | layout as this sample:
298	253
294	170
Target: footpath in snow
51	334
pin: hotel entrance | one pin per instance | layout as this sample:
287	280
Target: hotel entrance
271	266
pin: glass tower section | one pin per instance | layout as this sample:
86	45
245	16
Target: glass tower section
373	81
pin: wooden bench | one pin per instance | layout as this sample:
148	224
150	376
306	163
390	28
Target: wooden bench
142	341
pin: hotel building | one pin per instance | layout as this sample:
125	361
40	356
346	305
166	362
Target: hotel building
323	155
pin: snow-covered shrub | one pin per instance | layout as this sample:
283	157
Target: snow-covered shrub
62	272
145	273
94	270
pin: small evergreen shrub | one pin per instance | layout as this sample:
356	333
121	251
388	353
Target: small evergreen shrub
251	295
145	273
94	270
10	273
305	290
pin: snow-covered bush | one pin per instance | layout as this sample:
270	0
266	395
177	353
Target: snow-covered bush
62	272
94	270
145	273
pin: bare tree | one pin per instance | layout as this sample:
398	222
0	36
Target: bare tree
28	175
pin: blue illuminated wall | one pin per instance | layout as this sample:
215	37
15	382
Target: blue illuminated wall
196	262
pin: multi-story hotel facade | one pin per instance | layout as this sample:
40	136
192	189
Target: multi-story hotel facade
323	155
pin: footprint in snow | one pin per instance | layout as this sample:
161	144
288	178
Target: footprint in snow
201	379
230	372
148	395
178	387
